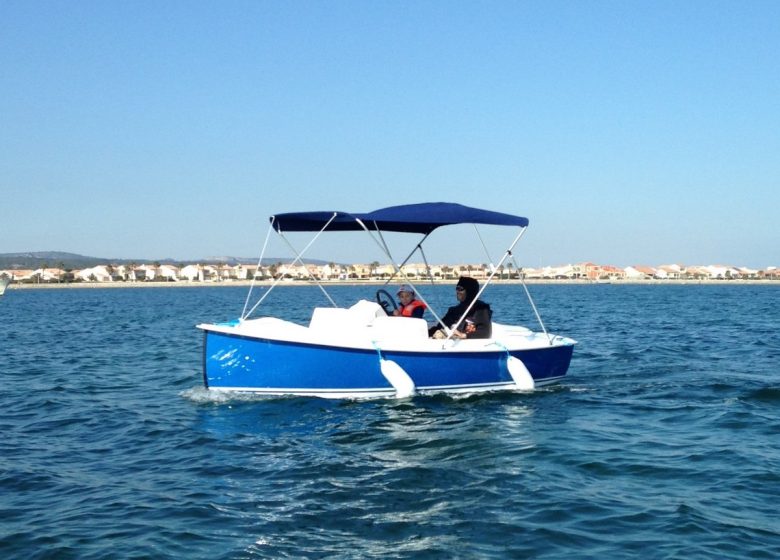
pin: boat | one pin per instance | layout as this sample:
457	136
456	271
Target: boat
4	283
360	351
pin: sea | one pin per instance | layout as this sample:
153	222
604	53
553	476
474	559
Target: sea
663	441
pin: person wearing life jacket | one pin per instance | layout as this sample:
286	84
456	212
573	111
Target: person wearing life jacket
408	306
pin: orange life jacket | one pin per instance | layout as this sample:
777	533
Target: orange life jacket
406	310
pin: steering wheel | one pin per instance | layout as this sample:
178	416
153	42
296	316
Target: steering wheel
387	302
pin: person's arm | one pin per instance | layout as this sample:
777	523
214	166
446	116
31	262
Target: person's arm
483	327
449	317
446	321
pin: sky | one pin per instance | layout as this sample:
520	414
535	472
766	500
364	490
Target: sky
629	133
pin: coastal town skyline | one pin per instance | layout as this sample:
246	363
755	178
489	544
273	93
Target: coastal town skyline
210	273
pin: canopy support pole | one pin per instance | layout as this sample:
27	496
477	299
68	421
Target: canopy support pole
531	301
259	264
386	250
297	259
419	247
505	256
427	266
303	264
409	256
484	247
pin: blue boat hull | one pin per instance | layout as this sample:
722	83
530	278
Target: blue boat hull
262	365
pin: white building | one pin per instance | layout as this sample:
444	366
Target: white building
98	273
192	273
168	272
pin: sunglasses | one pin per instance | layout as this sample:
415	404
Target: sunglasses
459	289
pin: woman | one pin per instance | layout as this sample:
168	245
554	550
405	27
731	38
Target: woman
477	323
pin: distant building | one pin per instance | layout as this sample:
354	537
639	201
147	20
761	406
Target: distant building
639	272
98	273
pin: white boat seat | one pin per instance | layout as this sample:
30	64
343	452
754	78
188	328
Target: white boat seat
499	330
334	319
399	328
364	312
329	318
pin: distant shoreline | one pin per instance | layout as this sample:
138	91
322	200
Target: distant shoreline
422	283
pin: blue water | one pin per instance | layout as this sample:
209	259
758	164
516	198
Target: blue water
663	442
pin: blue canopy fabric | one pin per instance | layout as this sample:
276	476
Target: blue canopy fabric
410	218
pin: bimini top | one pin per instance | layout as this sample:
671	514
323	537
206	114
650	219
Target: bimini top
409	218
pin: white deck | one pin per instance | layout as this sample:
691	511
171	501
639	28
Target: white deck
366	326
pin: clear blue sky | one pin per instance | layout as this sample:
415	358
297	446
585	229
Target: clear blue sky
627	132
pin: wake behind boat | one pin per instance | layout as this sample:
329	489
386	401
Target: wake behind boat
361	351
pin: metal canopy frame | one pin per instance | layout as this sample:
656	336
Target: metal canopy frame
341	221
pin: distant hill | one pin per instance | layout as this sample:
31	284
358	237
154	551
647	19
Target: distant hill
49	259
59	259
244	260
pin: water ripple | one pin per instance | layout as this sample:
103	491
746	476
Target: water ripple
662	443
